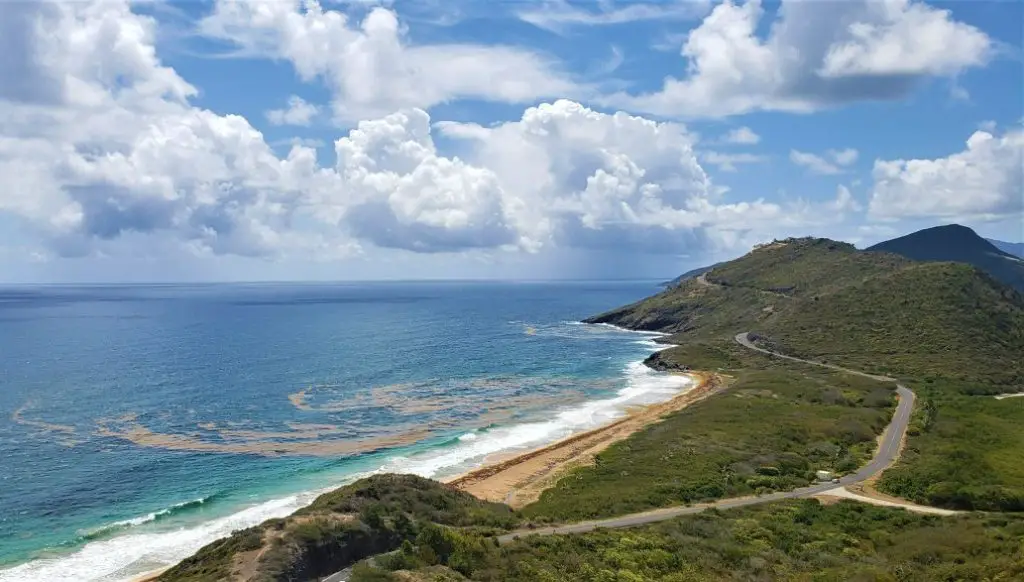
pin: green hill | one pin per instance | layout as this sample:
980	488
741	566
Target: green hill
826	300
954	242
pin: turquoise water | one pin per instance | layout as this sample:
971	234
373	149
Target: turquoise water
141	422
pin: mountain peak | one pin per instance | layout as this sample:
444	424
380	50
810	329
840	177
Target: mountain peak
958	243
939	243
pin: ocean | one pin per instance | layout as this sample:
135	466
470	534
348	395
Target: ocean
143	422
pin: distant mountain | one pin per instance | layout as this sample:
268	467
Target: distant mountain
1016	249
693	274
957	243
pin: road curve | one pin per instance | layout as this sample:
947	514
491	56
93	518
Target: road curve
886	454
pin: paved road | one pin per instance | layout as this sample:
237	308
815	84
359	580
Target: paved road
886	454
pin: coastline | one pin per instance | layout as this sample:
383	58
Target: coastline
522	471
519	480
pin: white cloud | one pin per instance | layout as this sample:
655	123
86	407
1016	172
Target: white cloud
103	150
614	182
403	195
372	68
985	181
114	149
906	38
555	15
298	112
741	135
727	162
831	163
816	54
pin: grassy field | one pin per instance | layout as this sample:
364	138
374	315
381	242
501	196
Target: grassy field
787	541
775	425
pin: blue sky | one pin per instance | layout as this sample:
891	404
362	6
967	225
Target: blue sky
156	141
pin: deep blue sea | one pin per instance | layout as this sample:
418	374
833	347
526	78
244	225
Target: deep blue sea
141	422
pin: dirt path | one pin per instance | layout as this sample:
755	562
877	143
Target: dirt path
846	493
520	480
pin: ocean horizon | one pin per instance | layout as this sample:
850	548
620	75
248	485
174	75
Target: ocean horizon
145	421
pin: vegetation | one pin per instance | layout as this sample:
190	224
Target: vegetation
925	321
777	424
368	517
823	299
804	267
797	540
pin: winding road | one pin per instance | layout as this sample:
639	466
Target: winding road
887	452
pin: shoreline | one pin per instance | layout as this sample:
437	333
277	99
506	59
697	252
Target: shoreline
519	480
531	470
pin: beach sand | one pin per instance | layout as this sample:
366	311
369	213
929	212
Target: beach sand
519	480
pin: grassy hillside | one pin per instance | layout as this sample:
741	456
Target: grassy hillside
925	320
797	540
823	299
368	517
804	267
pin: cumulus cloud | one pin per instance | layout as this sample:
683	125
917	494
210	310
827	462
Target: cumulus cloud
609	181
298	112
815	55
831	163
906	38
741	136
115	148
104	147
372	68
402	194
984	181
555	15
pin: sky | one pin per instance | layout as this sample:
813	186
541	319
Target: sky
156	141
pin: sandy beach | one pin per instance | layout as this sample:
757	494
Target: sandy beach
519	480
